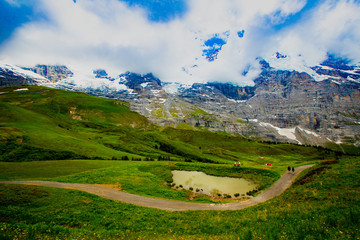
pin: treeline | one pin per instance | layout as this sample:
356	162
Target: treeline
149	159
165	147
13	152
188	157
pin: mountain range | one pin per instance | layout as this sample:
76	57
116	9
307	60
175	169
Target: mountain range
317	106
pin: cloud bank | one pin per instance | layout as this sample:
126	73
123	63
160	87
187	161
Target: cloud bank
92	34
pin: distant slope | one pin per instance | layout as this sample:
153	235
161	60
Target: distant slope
62	121
316	106
38	123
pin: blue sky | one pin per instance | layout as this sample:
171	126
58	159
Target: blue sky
171	37
13	15
161	10
294	18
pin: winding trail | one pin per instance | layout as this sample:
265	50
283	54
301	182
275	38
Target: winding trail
170	205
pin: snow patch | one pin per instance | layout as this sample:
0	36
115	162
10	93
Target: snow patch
292	64
286	132
156	92
21	72
352	79
309	132
237	101
162	100
122	79
144	85
335	82
131	91
21	89
326	67
351	71
171	88
84	80
205	95
175	87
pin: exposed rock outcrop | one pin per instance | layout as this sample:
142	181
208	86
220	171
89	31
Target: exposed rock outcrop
285	106
53	73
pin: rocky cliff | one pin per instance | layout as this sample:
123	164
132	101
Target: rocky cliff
53	73
285	106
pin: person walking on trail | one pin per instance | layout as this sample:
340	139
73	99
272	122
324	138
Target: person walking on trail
293	170
289	169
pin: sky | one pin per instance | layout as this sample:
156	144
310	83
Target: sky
183	41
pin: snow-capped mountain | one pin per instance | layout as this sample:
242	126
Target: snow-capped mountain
334	68
13	75
313	105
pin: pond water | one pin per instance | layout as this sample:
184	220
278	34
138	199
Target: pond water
212	185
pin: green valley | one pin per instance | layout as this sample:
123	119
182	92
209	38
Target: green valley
49	124
71	137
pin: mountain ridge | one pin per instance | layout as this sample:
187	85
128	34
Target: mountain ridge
282	106
40	123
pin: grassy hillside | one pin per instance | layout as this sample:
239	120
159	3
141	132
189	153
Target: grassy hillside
322	204
141	178
48	124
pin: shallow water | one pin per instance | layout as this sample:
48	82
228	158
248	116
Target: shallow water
212	185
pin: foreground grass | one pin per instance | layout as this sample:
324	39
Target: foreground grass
323	204
143	178
41	170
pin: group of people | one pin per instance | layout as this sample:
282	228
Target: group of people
290	169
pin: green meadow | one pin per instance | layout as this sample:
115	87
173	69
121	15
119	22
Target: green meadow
323	203
152	179
53	135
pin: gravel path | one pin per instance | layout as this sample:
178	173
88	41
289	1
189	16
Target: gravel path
275	190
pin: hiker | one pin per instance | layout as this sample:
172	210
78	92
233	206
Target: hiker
289	169
293	170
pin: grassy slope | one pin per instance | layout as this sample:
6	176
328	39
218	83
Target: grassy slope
69	125
142	178
323	204
10	171
40	118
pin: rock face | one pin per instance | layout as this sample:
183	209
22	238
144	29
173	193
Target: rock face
139	82
282	106
52	73
234	92
290	99
101	73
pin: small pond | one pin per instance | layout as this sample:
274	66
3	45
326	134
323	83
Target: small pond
212	185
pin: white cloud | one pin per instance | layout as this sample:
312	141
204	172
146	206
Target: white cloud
14	2
108	34
331	27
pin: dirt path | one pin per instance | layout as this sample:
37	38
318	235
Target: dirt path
276	189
